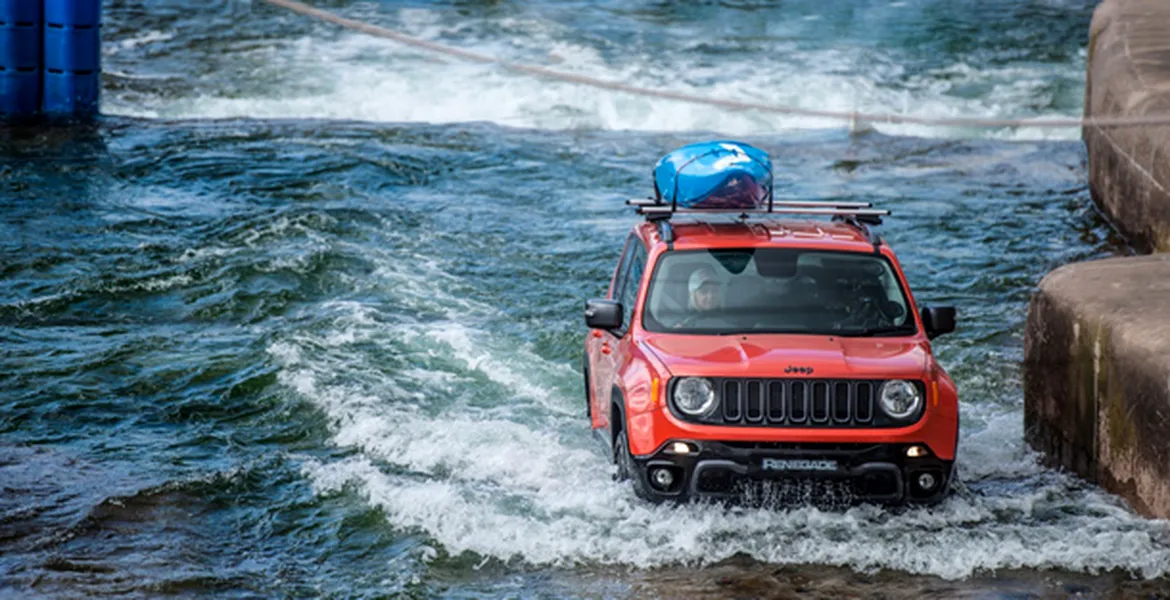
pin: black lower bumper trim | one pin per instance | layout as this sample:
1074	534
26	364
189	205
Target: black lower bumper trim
859	472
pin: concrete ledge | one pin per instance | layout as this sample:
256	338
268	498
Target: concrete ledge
1129	75
1097	375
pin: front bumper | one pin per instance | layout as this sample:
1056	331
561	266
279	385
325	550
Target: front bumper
856	472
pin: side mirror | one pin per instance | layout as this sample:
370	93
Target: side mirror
938	320
603	314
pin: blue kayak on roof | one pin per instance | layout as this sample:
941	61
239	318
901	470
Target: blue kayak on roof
715	175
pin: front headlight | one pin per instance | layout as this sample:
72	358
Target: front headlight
694	396
900	399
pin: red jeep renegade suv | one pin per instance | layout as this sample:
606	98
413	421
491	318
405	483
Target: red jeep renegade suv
734	351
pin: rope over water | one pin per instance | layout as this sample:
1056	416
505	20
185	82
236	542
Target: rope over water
853	117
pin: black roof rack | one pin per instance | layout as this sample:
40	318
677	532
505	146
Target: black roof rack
861	212
858	214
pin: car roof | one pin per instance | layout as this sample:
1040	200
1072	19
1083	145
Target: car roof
695	234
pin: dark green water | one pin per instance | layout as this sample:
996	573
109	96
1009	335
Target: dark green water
295	357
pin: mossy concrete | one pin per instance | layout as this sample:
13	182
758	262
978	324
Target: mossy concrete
1097	375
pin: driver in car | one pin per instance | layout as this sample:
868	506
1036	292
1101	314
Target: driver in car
706	295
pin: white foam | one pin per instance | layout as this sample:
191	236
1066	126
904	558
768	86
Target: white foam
364	78
996	448
571	521
142	39
519	371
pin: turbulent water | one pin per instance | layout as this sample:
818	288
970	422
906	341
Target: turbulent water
301	316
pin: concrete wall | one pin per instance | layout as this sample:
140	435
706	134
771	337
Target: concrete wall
1097	375
1097	344
1129	75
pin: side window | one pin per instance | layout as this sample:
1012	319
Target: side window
619	278
629	293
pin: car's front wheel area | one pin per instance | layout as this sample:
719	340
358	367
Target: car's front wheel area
629	469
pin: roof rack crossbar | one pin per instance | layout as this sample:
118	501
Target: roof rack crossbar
820	204
659	210
775	204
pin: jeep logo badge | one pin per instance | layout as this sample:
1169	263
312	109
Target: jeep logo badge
802	370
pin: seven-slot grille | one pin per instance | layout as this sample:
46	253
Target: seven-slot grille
797	403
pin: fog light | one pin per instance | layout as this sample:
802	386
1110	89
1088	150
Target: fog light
917	452
662	478
680	448
926	482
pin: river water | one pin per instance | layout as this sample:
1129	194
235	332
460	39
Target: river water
301	316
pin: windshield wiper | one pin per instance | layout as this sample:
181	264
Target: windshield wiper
764	331
877	332
860	333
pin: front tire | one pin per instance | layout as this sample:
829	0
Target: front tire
628	469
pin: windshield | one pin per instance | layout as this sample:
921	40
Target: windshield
776	290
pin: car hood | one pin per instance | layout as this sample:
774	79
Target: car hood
774	355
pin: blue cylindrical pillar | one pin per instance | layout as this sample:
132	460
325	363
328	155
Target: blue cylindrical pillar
72	57
20	58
